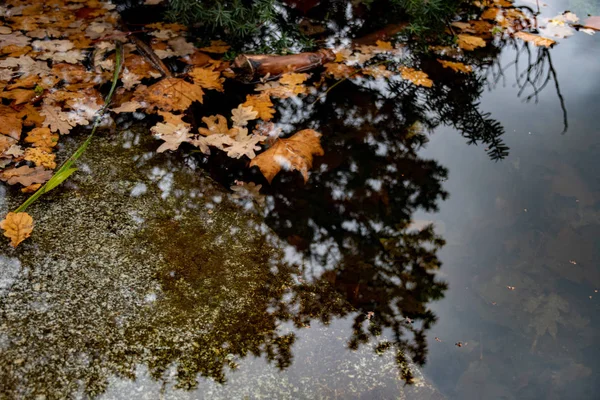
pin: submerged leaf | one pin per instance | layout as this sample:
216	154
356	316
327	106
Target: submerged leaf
295	153
17	227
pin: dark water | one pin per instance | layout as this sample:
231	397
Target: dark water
449	238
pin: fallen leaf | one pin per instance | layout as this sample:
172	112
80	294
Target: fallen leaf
11	122
128	106
173	135
535	39
262	105
42	138
241	115
469	42
17	227
295	153
171	94
419	78
56	119
217	124
293	79
40	157
456	66
25	175
207	78
216	46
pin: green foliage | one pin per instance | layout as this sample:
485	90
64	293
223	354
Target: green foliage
427	16
237	17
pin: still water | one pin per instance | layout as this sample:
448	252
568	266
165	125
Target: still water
412	264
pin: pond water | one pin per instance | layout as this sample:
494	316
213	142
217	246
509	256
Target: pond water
411	265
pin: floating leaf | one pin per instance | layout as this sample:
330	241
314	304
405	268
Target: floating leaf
469	42
262	105
207	78
241	115
419	78
171	94
535	39
456	66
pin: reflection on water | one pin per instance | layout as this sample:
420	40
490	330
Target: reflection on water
329	289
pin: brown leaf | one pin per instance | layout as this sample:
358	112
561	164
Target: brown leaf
25	175
217	124
11	122
216	46
20	96
241	115
172	94
207	78
56	119
17	227
456	66
295	153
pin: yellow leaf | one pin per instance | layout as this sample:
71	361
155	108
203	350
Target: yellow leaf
40	157
261	104
171	94
490	13
17	227
342	55
384	46
293	79
456	66
216	46
295	153
469	42
377	71
419	78
535	39
42	137
207	78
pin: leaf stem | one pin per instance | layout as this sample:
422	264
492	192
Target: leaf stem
67	169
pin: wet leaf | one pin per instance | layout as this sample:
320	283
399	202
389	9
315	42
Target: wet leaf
456	66
262	105
171	94
17	227
535	39
173	135
241	115
40	157
216	46
419	78
216	124
56	119
469	42
295	153
207	78
25	175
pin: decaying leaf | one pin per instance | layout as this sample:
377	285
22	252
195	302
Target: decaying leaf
295	153
42	138
216	46
40	157
17	227
216	124
248	190
535	39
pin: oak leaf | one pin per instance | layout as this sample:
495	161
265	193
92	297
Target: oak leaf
216	46
456	66
295	153
11	122
207	78
128	106
19	96
293	79
262	105
17	227
56	119
40	157
217	125
172	94
173	135
535	39
338	71
241	115
419	78
25	175
469	42
42	138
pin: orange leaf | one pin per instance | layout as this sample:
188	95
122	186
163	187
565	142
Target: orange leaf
261	104
207	78
469	42
17	227
456	66
419	78
295	153
171	94
535	39
216	46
